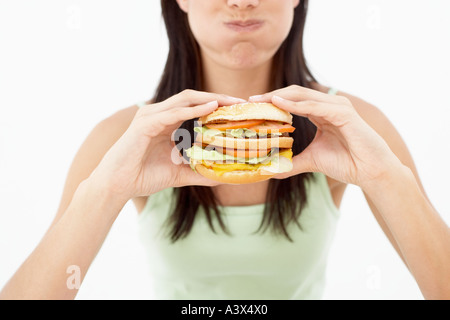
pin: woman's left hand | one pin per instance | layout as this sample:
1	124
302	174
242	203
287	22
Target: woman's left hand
345	147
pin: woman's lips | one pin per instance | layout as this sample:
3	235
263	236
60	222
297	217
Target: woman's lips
245	26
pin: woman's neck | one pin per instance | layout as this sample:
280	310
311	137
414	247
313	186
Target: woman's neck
241	83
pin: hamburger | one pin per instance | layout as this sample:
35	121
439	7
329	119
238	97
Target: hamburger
243	143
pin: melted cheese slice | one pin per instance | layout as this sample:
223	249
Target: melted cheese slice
220	168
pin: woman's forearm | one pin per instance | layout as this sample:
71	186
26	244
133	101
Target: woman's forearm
423	237
65	253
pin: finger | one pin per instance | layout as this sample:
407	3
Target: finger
337	115
294	93
152	124
298	93
178	115
190	98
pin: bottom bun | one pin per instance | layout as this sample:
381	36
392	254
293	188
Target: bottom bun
234	177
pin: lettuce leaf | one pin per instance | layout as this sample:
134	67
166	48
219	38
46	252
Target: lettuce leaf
198	153
237	133
207	132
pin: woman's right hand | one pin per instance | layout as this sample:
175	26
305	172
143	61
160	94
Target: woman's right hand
141	162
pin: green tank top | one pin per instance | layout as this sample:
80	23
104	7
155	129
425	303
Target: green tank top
245	264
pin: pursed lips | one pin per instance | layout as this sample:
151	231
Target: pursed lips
244	25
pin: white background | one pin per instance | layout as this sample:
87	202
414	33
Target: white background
66	65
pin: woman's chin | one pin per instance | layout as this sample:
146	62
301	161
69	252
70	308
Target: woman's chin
246	56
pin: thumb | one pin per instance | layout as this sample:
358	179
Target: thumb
188	177
302	163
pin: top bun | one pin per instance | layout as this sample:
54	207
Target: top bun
248	111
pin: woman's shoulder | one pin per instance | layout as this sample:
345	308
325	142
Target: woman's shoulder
107	131
113	127
94	147
115	124
120	119
369	112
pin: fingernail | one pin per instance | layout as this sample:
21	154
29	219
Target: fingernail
254	98
278	98
212	103
236	99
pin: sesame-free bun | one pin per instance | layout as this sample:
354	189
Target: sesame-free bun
248	111
235	177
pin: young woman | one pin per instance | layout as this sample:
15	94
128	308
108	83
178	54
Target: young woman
267	240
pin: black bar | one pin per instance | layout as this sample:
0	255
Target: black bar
234	309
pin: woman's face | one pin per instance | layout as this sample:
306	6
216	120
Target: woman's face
239	34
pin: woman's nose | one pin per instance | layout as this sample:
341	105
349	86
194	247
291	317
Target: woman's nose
243	4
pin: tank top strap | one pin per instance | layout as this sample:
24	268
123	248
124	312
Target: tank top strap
333	91
140	104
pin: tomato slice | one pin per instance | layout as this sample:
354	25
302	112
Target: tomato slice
235	124
273	126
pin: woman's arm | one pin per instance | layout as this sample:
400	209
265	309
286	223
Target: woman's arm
421	234
381	124
409	181
346	148
112	172
44	273
59	263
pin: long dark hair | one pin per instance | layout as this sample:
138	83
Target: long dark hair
285	198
